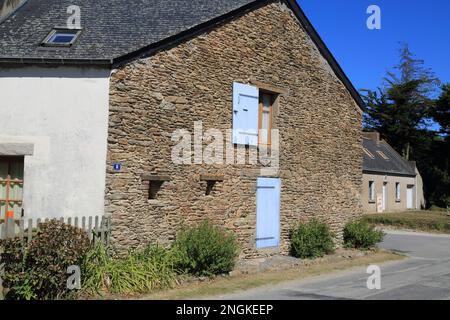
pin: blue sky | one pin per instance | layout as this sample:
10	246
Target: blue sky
366	55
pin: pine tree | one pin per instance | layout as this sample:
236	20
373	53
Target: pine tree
441	113
401	108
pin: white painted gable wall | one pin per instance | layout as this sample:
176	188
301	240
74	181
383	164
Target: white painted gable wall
64	112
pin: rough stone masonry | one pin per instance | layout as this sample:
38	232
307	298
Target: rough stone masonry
318	121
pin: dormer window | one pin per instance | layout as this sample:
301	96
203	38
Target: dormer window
61	37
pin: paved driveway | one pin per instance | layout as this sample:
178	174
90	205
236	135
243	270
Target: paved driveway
426	275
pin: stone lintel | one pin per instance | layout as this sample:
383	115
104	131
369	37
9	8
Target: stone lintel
269	87
211	177
154	177
16	149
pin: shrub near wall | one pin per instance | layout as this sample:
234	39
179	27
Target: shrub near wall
56	247
205	250
361	235
14	278
39	271
311	240
138	272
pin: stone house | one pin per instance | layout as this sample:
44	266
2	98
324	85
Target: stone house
390	183
163	113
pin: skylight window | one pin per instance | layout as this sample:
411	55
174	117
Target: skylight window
381	153
369	153
61	37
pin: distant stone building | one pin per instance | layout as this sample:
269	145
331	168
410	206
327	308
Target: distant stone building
390	183
103	111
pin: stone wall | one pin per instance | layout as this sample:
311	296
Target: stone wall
319	123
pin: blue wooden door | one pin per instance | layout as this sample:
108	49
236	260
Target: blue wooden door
268	213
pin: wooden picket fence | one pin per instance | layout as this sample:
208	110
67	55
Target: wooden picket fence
98	228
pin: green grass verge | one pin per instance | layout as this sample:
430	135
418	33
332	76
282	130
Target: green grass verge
430	221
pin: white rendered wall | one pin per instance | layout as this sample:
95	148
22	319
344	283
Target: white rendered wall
64	112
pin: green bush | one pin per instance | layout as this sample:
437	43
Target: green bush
205	250
56	247
361	235
39	270
137	272
14	277
311	240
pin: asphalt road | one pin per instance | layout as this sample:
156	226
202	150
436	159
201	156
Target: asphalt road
424	276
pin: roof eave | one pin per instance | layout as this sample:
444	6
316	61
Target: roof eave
54	62
397	174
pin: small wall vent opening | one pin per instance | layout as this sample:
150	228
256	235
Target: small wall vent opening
211	183
155	184
155	187
209	187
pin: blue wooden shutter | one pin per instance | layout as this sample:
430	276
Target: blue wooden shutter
268	213
245	114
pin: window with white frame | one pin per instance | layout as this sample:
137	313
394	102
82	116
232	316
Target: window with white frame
372	191
397	192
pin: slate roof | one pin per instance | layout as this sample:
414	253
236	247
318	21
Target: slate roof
116	31
396	165
111	28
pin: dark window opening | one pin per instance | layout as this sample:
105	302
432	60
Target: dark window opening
210	186
266	101
211	183
154	189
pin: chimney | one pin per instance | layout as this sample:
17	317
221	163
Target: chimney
374	136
